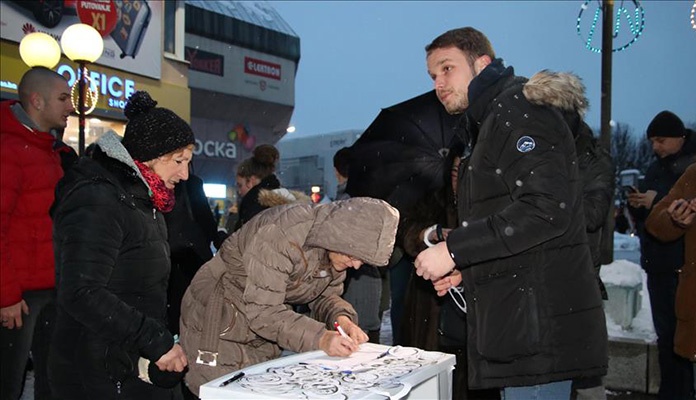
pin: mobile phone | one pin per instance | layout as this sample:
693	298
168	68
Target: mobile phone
630	189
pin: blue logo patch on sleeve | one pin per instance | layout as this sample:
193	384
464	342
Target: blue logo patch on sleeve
525	144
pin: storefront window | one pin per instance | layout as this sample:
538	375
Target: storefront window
170	26
94	129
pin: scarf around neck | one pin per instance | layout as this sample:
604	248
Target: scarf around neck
162	198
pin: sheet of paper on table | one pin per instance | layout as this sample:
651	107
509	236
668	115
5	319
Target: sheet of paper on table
368	352
374	370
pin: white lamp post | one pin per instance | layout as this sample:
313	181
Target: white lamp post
82	44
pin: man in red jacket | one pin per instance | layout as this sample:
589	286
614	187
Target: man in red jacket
29	170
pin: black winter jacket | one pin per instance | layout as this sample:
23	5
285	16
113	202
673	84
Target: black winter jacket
534	309
112	265
658	257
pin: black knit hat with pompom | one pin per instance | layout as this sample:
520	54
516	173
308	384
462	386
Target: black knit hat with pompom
153	131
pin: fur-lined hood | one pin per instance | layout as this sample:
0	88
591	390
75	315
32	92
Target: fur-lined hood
281	196
562	90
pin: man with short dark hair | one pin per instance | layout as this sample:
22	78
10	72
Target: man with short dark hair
30	167
534	311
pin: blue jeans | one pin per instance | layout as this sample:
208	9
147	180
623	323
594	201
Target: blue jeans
547	391
676	373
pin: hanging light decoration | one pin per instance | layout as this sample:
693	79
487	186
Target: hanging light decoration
91	94
693	15
635	21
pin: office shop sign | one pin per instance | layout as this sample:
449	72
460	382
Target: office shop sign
113	88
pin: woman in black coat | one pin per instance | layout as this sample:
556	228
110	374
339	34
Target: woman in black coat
112	262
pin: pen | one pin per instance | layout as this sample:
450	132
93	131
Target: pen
236	377
341	331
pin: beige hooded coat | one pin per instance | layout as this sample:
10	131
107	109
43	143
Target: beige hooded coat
278	259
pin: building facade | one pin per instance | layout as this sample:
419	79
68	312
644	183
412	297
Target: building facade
307	161
243	60
133	57
226	67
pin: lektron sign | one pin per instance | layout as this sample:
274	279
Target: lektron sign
263	68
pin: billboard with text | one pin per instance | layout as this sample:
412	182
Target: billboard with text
132	29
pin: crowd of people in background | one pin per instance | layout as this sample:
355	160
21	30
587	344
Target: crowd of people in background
120	282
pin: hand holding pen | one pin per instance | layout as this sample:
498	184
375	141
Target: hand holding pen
351	329
337	345
341	331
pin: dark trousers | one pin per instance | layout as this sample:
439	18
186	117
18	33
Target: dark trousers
39	350
676	373
15	345
399	275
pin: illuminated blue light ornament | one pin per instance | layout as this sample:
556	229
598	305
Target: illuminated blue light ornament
635	22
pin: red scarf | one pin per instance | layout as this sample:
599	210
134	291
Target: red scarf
162	197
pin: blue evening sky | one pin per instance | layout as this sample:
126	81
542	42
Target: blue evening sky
360	56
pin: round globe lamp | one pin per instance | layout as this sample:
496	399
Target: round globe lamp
82	44
39	50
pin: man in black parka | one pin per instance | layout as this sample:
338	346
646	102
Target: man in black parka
535	317
675	149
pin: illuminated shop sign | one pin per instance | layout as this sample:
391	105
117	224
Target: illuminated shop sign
114	88
215	149
8	85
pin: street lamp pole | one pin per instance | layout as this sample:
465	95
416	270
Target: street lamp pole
81	106
605	135
82	44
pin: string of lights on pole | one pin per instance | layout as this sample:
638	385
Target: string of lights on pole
635	20
693	15
82	44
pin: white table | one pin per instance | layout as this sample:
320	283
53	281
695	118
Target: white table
404	373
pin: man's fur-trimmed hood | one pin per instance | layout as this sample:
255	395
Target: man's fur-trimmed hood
562	90
281	196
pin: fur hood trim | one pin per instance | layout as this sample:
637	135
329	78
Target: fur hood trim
563	90
281	196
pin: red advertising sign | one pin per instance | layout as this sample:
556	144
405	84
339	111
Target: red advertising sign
102	15
204	61
263	68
